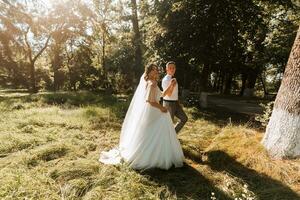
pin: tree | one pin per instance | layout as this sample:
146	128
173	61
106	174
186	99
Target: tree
32	34
66	26
12	53
209	36
282	137
33	57
101	13
137	41
218	45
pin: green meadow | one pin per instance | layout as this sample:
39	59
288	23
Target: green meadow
50	144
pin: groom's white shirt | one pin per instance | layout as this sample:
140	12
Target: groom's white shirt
166	81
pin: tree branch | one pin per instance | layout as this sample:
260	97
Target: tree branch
28	45
42	50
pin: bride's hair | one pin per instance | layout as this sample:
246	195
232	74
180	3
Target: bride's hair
148	69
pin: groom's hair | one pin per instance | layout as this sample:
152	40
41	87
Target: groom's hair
170	62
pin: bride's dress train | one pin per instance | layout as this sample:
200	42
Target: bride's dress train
148	138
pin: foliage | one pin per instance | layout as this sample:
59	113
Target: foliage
221	46
265	117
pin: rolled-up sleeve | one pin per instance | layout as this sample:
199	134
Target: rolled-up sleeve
166	82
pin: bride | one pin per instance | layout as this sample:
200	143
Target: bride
148	138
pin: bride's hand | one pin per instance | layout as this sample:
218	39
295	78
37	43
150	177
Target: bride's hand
164	109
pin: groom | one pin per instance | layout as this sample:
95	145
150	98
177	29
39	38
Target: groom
170	101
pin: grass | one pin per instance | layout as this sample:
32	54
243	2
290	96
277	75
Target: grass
50	143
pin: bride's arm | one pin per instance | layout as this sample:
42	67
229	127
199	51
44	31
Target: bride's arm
159	106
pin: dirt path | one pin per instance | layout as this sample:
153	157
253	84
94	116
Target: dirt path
238	105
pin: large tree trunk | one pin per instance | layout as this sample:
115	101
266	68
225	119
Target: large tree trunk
136	41
282	137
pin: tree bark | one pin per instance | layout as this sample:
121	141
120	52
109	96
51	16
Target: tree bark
216	81
204	77
136	40
55	67
103	28
32	60
222	80
219	81
228	83
32	78
244	79
263	85
282	137
251	81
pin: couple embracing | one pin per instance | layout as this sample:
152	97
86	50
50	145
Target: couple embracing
148	137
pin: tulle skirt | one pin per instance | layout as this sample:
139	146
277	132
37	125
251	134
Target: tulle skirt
153	143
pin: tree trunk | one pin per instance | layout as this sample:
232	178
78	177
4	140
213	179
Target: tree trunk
282	137
204	77
33	88
251	80
228	83
55	67
32	60
244	79
103	46
136	41
219	81
216	79
222	83
263	85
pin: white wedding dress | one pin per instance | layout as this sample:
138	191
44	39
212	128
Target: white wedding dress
148	138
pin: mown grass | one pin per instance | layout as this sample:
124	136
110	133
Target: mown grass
50	143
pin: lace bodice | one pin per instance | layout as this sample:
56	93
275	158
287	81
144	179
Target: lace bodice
153	92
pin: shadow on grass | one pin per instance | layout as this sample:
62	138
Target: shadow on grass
186	183
264	187
75	98
59	98
222	116
66	100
